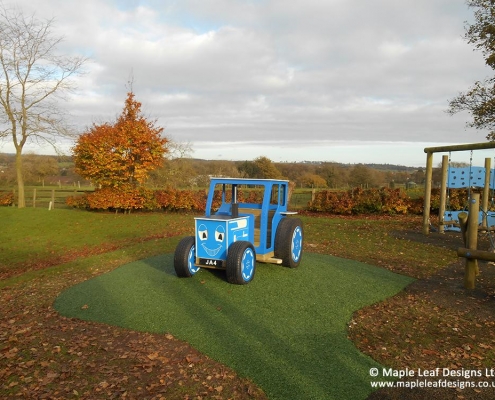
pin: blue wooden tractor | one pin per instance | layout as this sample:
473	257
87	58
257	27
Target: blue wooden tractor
233	235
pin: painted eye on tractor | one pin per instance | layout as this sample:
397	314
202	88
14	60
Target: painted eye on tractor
202	232
220	234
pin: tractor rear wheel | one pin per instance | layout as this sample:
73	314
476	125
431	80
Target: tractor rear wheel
241	263
289	242
185	257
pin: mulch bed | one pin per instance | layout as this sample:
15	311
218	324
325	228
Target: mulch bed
461	321
46	356
447	286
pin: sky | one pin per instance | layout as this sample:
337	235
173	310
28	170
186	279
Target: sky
351	81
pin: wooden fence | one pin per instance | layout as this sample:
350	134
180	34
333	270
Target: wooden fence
42	197
46	197
300	198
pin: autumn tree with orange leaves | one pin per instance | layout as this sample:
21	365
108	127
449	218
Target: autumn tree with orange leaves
123	154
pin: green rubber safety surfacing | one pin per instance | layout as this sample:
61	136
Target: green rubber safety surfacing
286	330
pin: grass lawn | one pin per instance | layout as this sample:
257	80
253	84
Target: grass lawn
35	238
370	239
287	330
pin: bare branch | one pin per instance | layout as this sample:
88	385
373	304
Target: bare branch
479	100
178	149
33	76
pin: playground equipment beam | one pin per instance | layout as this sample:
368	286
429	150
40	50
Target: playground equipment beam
429	172
461	147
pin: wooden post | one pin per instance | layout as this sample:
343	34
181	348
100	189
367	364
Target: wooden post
53	198
486	192
471	269
34	198
443	193
426	205
463	223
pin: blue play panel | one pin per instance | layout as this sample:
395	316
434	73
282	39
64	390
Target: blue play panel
465	177
454	216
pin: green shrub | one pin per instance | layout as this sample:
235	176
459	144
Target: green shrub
181	200
128	198
6	198
78	201
124	198
360	201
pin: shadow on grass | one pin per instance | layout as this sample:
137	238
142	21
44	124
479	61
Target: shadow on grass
286	330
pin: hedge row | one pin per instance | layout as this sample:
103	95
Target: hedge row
356	201
370	201
128	198
385	201
457	199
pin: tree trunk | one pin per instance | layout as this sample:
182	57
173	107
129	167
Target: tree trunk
21	202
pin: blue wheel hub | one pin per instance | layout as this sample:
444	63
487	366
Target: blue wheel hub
190	261
247	265
296	244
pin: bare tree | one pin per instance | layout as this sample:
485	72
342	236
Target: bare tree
33	77
178	150
479	100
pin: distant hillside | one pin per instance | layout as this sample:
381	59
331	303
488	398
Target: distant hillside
392	167
7	158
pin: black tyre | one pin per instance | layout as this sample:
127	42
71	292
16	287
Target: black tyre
185	257
289	242
241	263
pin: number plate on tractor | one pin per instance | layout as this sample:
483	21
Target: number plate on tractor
208	262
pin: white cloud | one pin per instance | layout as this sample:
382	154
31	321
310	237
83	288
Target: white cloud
229	70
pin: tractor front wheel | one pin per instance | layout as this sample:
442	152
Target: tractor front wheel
241	263
289	242
185	257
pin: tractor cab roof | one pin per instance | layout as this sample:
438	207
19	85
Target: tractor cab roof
247	181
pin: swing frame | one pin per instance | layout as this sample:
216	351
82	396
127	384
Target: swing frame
430	151
443	223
